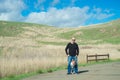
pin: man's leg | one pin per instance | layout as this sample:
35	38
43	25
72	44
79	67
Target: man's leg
76	66
69	67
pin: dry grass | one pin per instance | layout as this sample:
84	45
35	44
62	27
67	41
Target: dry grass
18	60
113	50
29	59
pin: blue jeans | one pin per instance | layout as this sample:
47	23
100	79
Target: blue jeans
69	61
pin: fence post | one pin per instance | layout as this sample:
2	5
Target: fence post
87	58
96	57
108	56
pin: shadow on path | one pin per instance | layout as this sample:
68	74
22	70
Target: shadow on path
83	71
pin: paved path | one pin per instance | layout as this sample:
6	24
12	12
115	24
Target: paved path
106	71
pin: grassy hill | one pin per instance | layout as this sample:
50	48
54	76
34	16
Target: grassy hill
93	34
102	33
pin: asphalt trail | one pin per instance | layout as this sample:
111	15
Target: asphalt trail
106	71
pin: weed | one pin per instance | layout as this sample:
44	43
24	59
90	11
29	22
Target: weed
49	70
40	71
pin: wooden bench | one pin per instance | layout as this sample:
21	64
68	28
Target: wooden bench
97	57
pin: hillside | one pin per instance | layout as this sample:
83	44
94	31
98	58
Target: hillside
42	34
95	34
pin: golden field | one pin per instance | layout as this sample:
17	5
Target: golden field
18	60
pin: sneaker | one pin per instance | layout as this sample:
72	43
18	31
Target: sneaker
68	73
76	73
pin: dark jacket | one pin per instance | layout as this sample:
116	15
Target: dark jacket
72	49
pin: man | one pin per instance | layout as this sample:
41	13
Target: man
72	51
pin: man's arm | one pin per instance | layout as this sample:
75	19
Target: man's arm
66	49
77	50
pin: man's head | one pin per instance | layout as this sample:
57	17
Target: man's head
73	40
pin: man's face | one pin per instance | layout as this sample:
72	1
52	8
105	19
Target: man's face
73	40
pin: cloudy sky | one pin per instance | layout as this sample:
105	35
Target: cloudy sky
60	13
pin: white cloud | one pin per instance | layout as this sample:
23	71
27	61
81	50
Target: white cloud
67	17
73	2
103	16
39	4
11	10
55	2
70	17
100	14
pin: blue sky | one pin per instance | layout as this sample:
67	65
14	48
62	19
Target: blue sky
60	13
